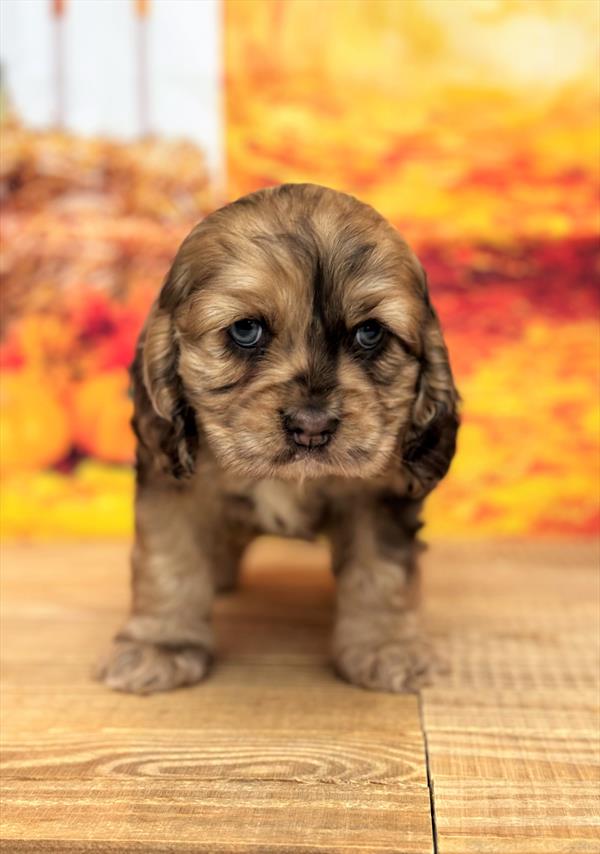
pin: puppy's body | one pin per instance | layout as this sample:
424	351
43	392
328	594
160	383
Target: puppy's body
291	379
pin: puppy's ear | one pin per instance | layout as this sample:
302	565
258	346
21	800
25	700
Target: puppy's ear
164	422
430	443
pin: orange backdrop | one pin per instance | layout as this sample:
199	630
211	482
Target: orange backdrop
473	126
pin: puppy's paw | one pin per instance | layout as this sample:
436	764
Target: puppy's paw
145	668
389	666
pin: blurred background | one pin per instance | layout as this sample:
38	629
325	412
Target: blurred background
472	124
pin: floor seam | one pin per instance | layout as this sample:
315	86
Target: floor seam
429	775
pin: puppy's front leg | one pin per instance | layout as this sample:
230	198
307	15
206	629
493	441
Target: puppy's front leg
376	642
167	641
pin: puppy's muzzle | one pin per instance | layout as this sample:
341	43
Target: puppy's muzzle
310	427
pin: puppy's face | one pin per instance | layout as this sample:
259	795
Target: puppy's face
299	318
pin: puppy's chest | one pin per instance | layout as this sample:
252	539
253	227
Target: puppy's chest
285	509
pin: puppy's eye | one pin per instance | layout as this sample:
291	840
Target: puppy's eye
368	335
246	332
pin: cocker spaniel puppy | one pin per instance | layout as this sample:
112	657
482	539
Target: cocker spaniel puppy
291	379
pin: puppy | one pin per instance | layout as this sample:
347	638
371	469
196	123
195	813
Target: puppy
291	379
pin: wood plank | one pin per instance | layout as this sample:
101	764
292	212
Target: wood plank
159	815
272	753
211	754
529	819
513	729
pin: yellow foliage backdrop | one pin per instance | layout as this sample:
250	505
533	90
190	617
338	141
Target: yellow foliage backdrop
471	124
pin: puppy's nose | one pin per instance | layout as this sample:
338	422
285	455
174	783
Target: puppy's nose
310	427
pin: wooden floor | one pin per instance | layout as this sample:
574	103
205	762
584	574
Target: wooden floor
273	753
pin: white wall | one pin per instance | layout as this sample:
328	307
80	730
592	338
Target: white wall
100	68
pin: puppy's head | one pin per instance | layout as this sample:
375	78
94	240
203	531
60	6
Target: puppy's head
294	332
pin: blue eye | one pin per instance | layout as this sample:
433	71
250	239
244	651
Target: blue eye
246	332
368	335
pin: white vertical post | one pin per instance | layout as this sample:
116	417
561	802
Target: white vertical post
142	11
58	11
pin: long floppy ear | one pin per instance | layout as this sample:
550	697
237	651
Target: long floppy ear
430	442
164	422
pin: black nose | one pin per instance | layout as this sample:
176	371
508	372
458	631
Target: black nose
310	427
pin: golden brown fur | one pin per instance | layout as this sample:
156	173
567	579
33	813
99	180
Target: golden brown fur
225	450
